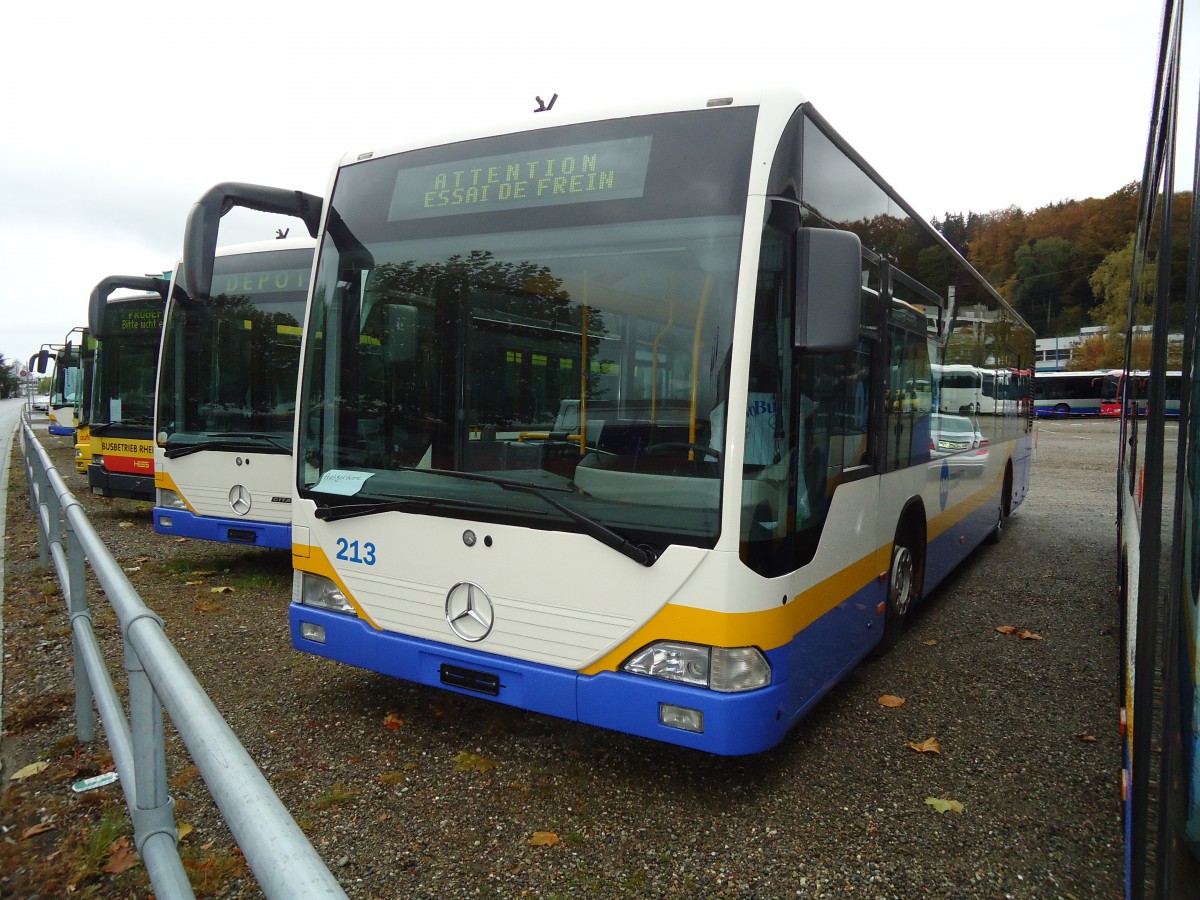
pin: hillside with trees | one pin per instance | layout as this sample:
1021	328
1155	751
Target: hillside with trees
1066	265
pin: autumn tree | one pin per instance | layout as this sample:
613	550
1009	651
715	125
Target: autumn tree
1049	285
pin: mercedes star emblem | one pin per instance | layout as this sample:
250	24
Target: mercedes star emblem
469	611
239	499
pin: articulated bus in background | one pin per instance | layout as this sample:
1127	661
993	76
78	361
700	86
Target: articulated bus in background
1132	388
87	362
122	403
1158	519
1064	394
599	418
969	390
1006	392
66	386
227	398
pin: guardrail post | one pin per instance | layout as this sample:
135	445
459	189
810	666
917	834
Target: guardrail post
153	810
39	487
85	711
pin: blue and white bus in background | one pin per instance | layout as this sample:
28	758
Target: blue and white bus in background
226	398
66	385
1061	395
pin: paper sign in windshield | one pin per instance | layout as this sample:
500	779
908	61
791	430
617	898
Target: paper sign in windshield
345	484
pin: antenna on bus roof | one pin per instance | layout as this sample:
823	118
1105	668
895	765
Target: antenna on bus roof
281	233
543	106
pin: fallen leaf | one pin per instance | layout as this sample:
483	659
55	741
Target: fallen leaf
1086	738
181	540
193	582
35	830
930	643
929	745
473	762
124	524
208	607
1022	633
120	857
944	806
221	590
29	771
183	830
392	721
891	702
543	839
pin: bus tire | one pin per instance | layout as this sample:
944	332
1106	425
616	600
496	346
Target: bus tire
1005	508
1062	411
905	579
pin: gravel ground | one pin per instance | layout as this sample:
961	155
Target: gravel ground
411	792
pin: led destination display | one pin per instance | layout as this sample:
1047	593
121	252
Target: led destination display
583	173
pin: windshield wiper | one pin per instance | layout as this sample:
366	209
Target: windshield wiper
230	441
639	553
332	513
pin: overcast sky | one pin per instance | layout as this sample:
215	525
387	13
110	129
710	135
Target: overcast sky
115	117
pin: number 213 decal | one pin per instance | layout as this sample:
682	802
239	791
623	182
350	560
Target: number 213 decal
349	551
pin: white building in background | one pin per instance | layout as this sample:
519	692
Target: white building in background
1054	353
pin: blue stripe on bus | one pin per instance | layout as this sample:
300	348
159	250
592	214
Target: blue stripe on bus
1048	409
735	724
184	523
803	670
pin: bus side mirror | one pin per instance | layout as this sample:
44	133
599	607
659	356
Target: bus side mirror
204	220
828	290
98	301
43	361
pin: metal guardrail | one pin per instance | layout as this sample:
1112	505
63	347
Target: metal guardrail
280	856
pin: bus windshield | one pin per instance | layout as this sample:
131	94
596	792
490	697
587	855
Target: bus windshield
126	360
228	365
552	308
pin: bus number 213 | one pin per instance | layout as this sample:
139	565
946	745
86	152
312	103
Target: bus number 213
348	550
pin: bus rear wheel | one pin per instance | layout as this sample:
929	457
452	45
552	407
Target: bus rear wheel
903	590
1005	508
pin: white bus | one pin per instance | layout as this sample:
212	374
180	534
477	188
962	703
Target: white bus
226	397
66	391
602	418
1060	395
958	388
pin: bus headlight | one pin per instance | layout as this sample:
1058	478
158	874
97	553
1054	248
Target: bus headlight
169	499
318	591
724	669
